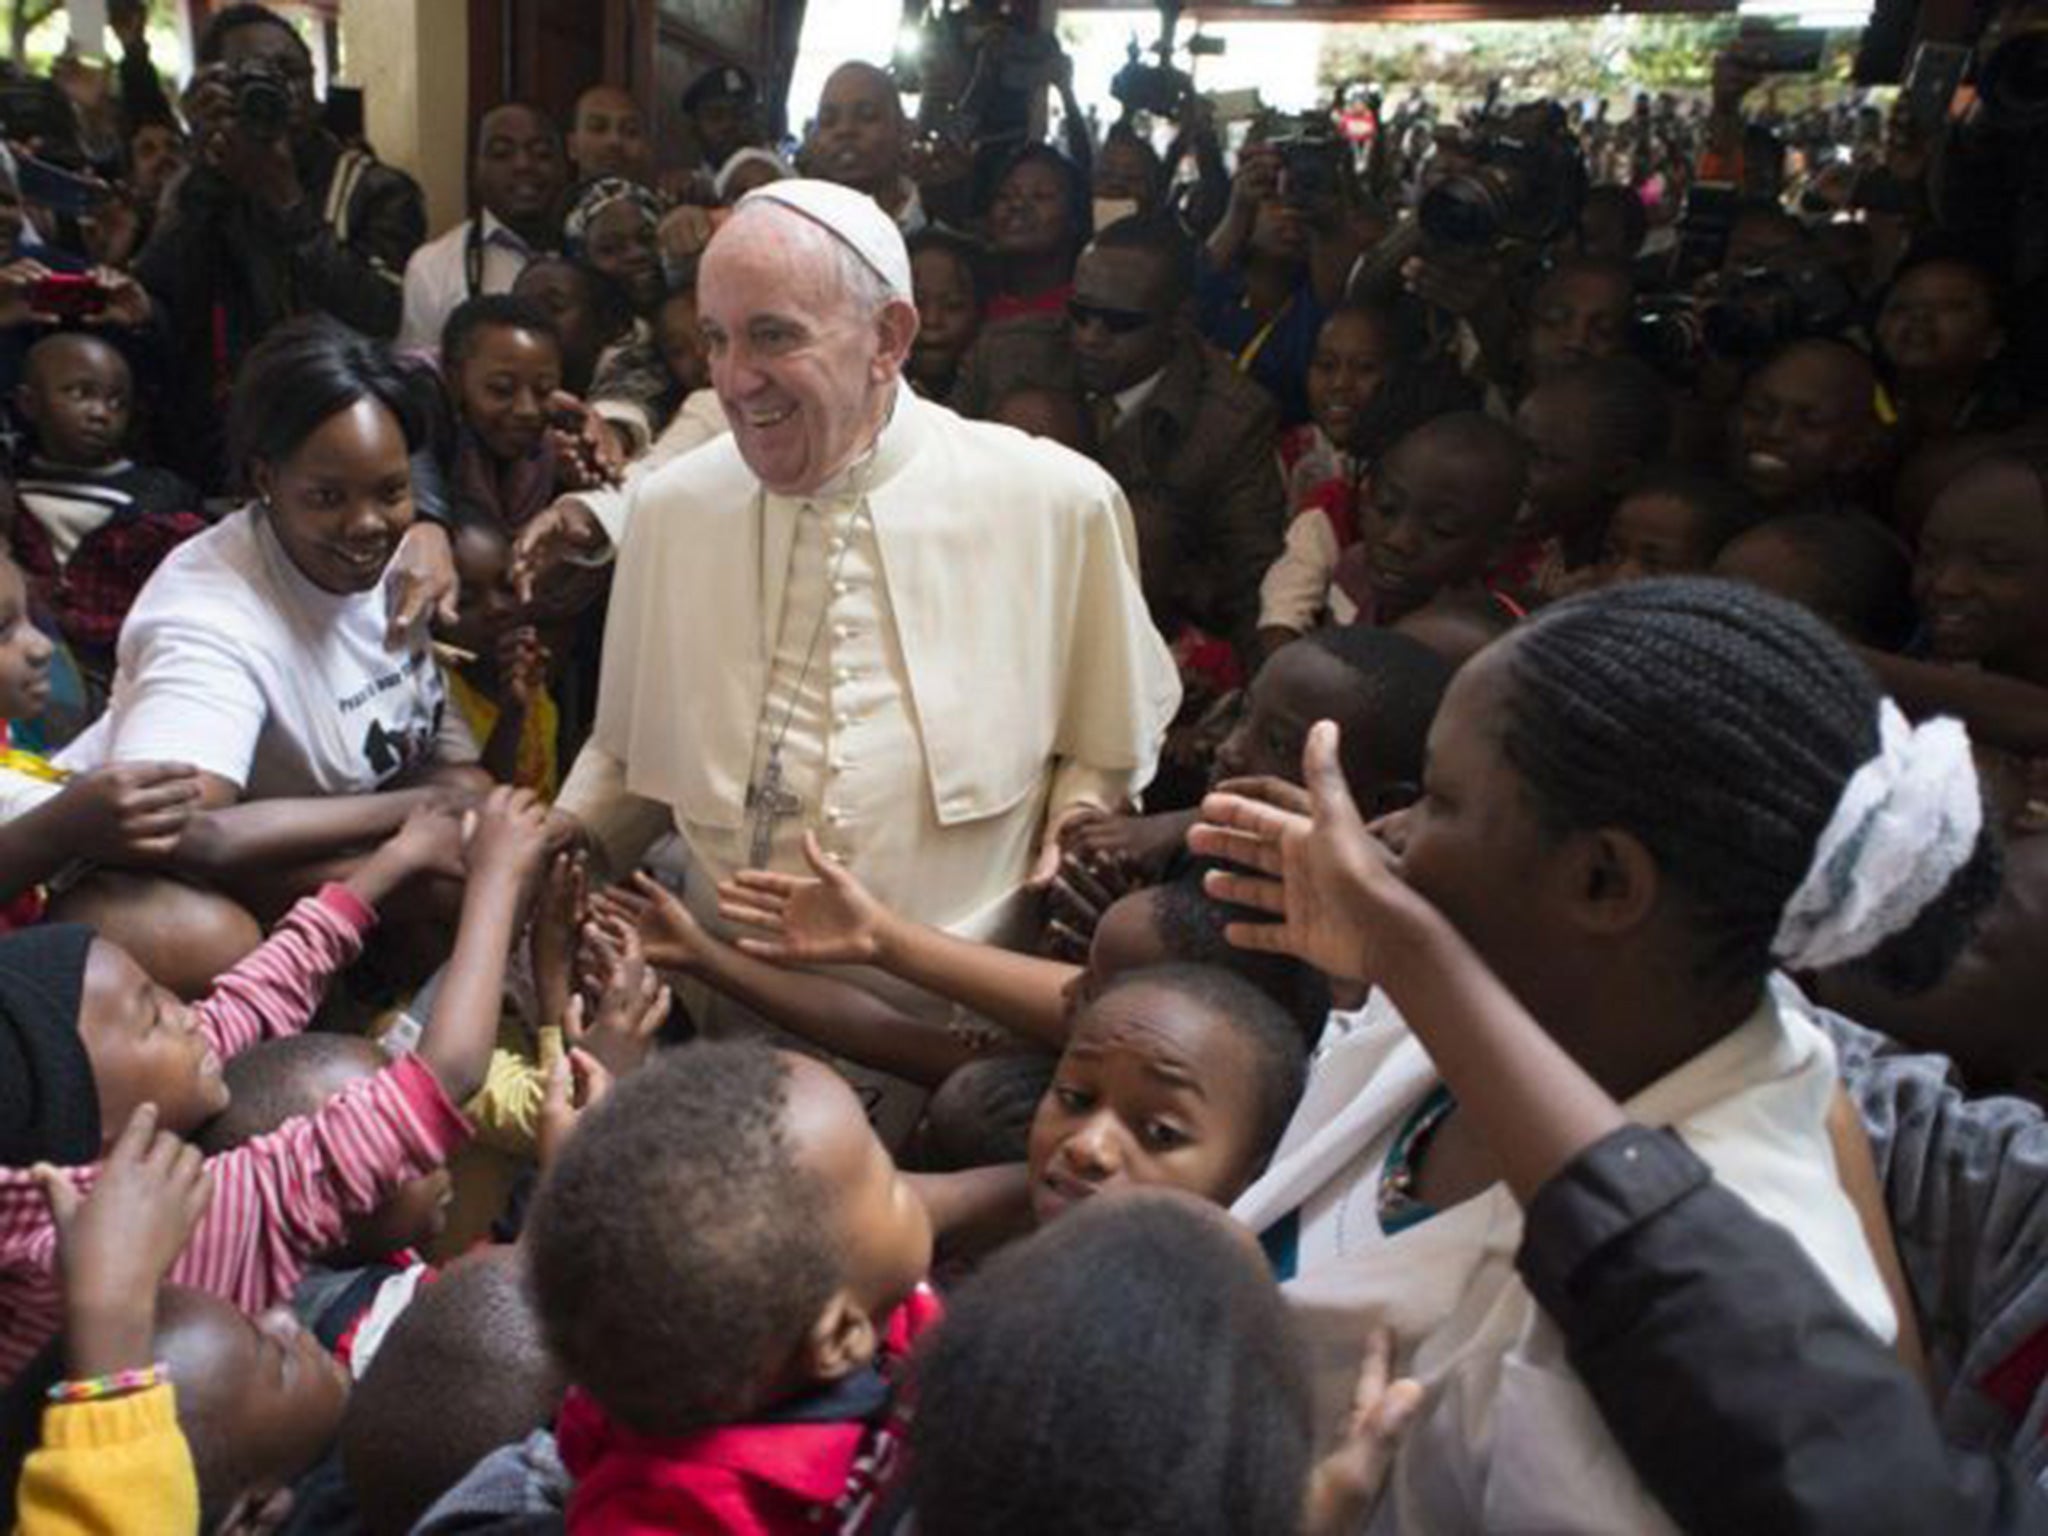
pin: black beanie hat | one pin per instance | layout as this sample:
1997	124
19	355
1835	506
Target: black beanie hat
49	1106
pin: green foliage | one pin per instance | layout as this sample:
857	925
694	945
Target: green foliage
1605	56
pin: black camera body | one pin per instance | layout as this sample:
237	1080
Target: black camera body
262	99
1749	315
1314	161
1159	89
1526	181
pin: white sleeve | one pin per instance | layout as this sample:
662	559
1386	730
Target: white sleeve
424	311
21	793
191	699
1291	595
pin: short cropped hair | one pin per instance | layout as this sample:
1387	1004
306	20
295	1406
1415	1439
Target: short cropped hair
679	1253
1401	683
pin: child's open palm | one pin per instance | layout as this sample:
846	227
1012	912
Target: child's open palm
630	1005
829	918
670	935
509	839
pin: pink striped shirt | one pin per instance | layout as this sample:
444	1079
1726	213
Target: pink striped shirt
282	1198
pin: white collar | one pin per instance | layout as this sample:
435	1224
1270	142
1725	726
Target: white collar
493	230
1130	401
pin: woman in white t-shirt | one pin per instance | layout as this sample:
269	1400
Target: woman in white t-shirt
1635	808
262	652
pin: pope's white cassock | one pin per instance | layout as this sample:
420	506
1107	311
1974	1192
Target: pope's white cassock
948	643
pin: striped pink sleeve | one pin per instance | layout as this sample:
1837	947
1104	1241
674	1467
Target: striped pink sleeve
276	990
31	1305
285	1198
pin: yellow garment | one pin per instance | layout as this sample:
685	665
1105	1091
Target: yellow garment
32	765
534	766
115	1467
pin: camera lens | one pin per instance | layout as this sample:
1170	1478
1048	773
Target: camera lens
263	104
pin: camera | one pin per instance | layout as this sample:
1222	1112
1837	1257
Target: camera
1525	181
1313	159
1750	315
262	98
2012	69
1155	88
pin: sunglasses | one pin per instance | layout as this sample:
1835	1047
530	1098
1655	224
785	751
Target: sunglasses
1118	322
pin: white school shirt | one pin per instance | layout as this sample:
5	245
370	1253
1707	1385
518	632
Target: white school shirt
437	276
1509	1439
232	661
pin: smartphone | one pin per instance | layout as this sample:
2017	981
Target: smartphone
67	295
59	190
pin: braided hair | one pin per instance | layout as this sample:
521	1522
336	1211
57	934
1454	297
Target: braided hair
1719	726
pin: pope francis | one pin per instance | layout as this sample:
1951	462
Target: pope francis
858	614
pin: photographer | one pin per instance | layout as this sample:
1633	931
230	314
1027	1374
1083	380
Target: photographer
274	219
1279	260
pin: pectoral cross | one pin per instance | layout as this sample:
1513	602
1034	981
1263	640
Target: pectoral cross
769	801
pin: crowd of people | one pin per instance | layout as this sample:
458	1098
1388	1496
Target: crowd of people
888	832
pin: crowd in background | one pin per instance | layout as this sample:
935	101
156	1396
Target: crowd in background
1381	407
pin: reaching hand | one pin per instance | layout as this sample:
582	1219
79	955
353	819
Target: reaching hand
576	1083
669	933
509	839
831	919
631	1002
115	1245
1086	887
565	530
1335	891
523	665
589	454
421	581
1145	843
1346	1482
131	812
557	919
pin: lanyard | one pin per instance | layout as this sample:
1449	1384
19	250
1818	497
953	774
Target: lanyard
1257	344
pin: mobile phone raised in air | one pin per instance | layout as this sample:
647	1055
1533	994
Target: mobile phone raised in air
67	295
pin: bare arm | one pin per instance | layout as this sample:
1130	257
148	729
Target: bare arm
2005	712
263	834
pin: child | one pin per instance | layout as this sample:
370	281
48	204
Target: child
463	1371
643	381
1840	565
1439	513
1177	1075
1590	432
728	1266
501	363
1174	1398
278	1081
90	1037
1354	416
94	522
1673	523
1806	432
589	314
946	285
1383	685
502	684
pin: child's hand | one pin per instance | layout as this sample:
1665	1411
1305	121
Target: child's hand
832	919
116	1244
670	935
1346	1483
576	1082
1084	889
557	919
1324	875
523	666
130	812
430	841
631	1002
509	839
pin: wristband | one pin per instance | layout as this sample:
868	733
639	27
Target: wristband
116	1384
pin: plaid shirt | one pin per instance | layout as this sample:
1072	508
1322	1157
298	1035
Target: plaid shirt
90	594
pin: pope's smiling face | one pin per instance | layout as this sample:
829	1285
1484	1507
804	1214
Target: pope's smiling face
803	365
